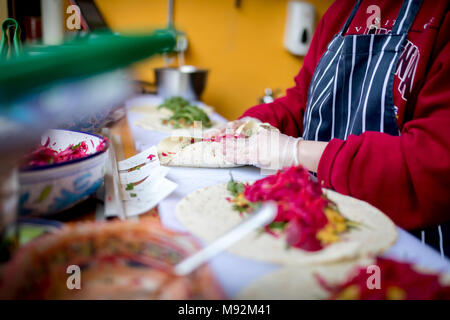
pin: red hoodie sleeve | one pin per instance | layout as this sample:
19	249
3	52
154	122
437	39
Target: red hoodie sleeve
407	177
286	113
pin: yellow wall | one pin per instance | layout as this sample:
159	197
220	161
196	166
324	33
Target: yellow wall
3	10
242	47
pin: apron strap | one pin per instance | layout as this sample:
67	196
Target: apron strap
406	16
350	18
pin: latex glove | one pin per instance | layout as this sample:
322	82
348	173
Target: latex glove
268	149
228	128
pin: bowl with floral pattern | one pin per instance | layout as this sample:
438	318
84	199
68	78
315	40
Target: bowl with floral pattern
64	170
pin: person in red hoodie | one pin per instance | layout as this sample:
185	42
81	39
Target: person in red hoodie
370	112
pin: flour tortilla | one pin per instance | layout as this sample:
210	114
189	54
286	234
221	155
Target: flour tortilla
300	283
179	151
152	118
207	214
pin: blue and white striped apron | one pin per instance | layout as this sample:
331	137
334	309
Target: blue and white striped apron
351	90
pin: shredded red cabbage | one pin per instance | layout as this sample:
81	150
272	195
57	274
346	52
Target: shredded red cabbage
398	281
300	203
220	138
44	155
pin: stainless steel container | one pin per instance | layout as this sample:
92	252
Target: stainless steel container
186	81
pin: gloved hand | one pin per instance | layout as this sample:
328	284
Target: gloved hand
228	128
267	149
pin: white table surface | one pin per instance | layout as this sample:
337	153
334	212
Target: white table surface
234	272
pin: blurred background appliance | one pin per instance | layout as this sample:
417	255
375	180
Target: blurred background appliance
185	81
52	22
299	27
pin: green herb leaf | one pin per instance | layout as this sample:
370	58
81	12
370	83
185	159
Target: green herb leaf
130	186
278	225
255	205
235	188
184	114
133	195
75	147
138	167
239	208
239	187
231	187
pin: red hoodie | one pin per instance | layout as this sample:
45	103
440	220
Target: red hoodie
406	176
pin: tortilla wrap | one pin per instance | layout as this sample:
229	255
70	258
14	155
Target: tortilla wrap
179	152
298	283
207	214
187	151
152	118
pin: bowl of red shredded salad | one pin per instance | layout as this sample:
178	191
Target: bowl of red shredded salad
65	169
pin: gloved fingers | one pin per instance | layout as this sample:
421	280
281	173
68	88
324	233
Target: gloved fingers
214	132
265	149
227	129
239	127
237	151
232	126
275	150
260	153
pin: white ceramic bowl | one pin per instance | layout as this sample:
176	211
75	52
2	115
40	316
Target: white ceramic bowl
55	187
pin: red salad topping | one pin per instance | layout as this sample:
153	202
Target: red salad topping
300	204
220	138
101	145
45	155
397	281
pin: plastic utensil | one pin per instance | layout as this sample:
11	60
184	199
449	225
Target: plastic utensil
258	219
